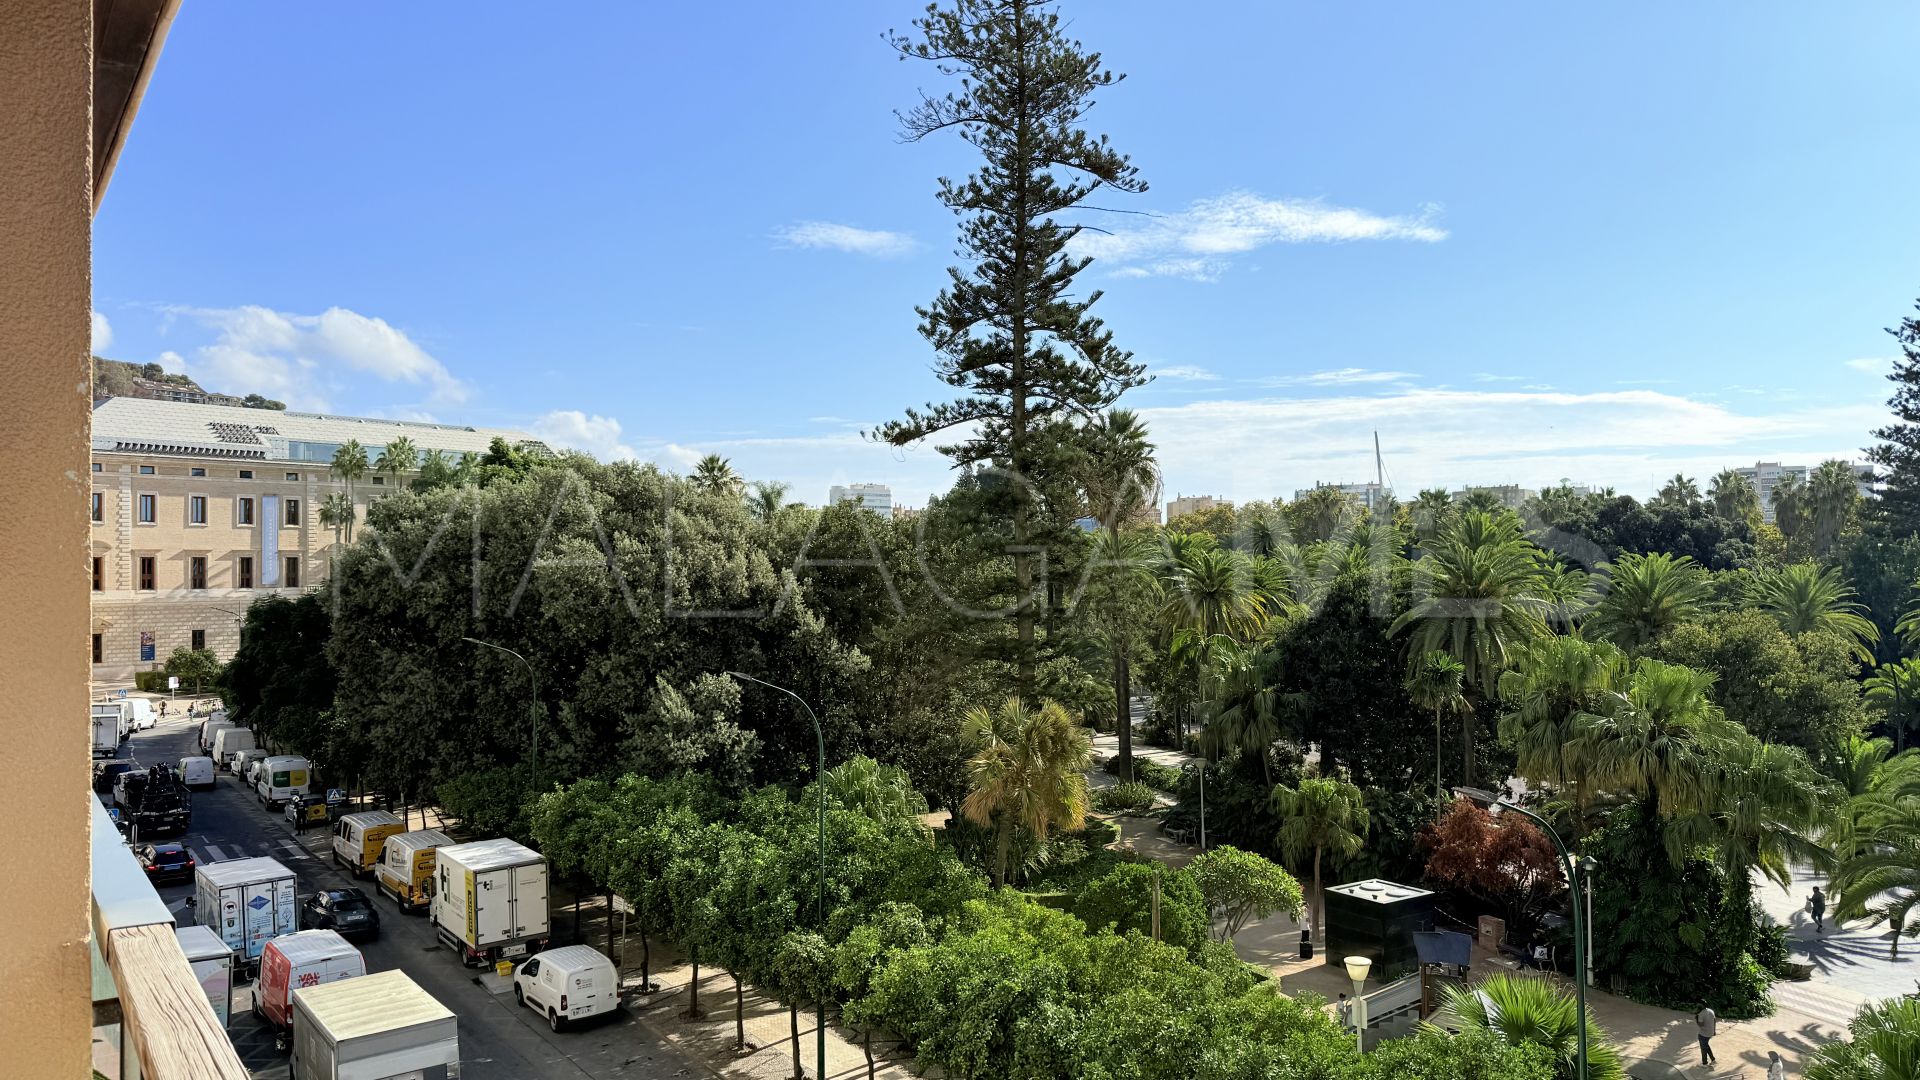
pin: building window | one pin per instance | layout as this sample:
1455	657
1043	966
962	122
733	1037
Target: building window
246	474
293	571
196	509
197	572
243	510
293	511
97	506
146	572
146	509
96	466
99	650
99	574
293	477
199	639
146	470
196	471
379	481
244	572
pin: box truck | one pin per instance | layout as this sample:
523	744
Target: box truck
376	1027
249	902
406	867
490	900
298	960
358	838
105	717
229	743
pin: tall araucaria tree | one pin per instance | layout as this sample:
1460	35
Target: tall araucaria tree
1898	454
1011	334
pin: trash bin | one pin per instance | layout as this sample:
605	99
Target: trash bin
503	968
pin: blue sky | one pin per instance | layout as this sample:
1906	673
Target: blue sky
1525	242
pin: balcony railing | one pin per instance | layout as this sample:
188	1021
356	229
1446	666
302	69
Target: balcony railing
167	1027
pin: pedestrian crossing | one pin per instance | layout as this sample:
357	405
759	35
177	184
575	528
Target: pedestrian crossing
285	849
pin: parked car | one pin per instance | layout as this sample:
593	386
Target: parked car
165	862
346	912
106	772
576	982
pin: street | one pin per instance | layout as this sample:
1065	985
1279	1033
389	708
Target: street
499	1040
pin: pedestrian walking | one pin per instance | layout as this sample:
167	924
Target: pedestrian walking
1817	903
1708	1023
1776	1069
1344	1009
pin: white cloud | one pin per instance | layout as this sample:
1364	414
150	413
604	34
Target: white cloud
836	237
1336	377
1183	372
575	430
1194	243
102	334
1873	364
302	359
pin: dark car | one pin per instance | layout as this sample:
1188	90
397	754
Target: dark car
347	912
106	772
165	862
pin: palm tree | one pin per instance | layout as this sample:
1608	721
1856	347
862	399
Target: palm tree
1833	491
1321	815
1121	479
1438	683
435	469
1321	514
1518	1010
1885	1045
1028	770
1733	497
1770	804
350	463
1789	506
878	792
1805	597
1879	880
767	501
398	456
1213	593
1432	513
1477	602
1645	595
1550	695
1895	688
1245	708
715	474
336	512
1680	491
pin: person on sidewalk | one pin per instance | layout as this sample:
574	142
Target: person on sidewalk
1776	1069
1708	1023
1817	903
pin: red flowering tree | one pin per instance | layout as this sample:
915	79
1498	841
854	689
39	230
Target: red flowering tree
1506	863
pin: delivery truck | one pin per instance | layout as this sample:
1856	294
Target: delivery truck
208	730
568	984
406	867
248	901
298	960
376	1027
490	900
229	743
358	839
105	717
281	777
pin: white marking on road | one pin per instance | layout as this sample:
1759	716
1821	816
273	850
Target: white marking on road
214	854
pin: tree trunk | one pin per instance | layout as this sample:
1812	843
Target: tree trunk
1123	691
693	990
1318	914
739	1014
1439	786
1466	746
793	1026
1002	845
866	1044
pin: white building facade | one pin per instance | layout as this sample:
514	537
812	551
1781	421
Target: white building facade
875	497
1369	495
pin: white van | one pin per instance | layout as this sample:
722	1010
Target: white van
228	743
281	776
143	715
208	730
197	772
568	984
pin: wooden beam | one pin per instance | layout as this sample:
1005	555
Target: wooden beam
167	1015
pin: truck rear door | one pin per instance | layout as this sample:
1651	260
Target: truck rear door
530	900
493	907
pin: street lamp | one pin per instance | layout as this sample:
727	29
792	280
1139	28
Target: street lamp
1582	921
820	777
239	623
533	704
1357	968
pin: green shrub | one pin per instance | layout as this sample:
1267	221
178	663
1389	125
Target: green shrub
1121	900
152	682
1097	833
1134	798
1161	778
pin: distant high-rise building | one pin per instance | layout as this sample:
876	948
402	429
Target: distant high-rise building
1510	495
1370	495
1766	475
875	497
1183	505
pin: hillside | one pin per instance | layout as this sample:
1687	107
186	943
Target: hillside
118	378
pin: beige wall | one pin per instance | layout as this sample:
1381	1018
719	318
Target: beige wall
46	199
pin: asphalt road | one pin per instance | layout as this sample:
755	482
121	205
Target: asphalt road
499	1040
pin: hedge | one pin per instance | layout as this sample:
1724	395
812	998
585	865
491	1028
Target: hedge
151	682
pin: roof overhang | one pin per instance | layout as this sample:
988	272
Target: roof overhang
127	36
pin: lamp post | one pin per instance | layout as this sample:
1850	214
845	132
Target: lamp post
1581	920
533	704
820	740
239	623
1357	968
